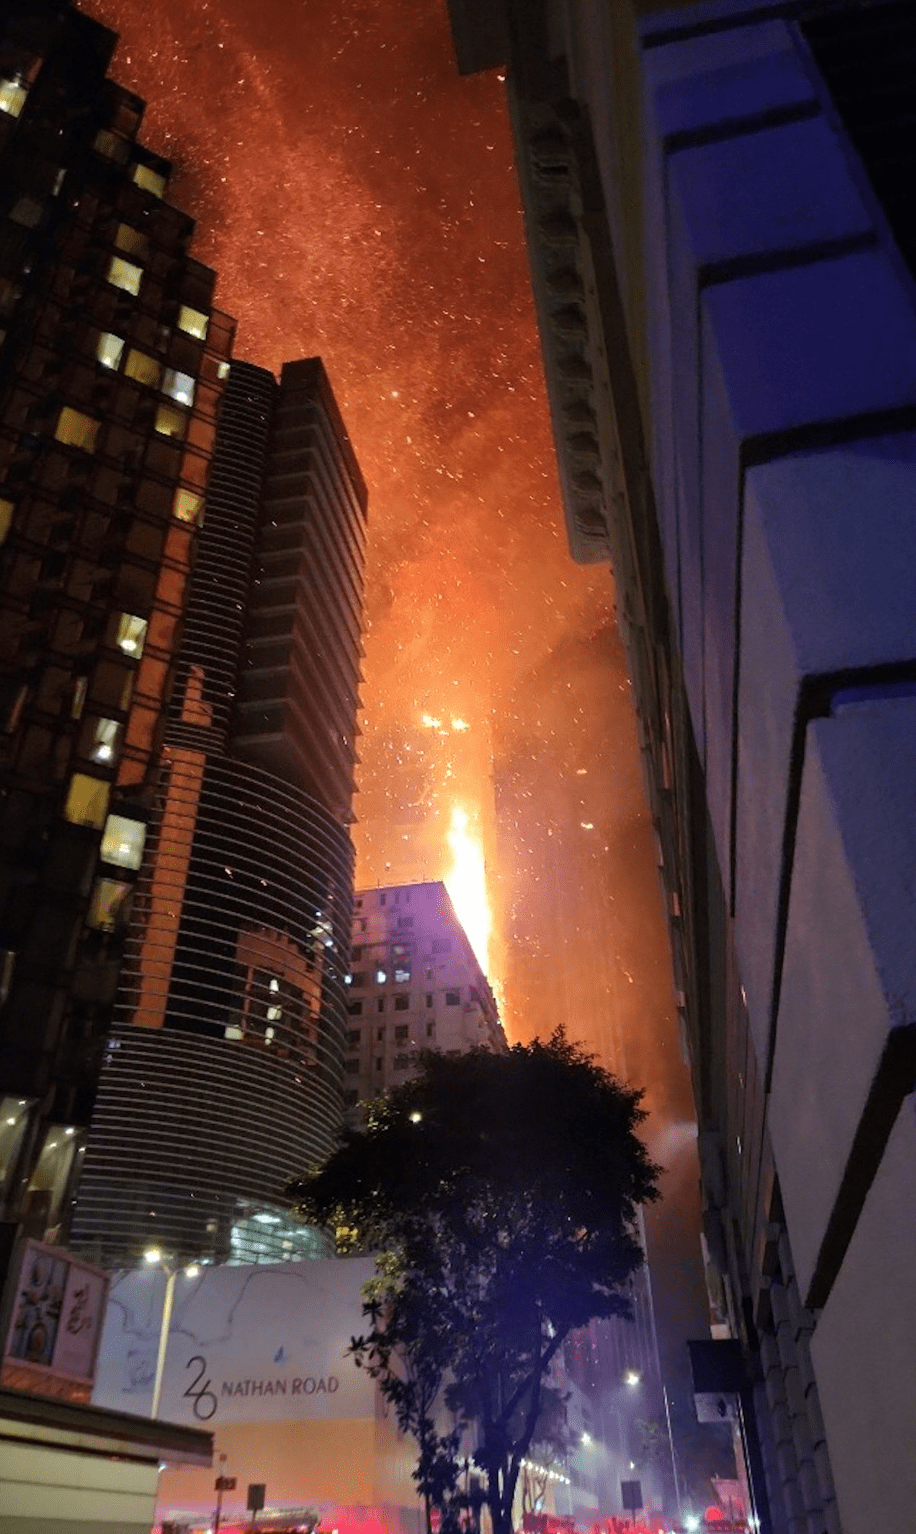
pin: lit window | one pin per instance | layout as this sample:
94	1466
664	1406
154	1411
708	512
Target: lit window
149	179
188	506
27	212
102	744
401	975
131	241
80	687
145	369
108	908
222	371
123	274
76	429
381	975
193	322
87	801
111	144
122	842
170	421
130	635
12	95
178	386
232	1031
109	349
6	518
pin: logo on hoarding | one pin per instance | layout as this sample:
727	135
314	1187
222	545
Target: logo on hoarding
203	1398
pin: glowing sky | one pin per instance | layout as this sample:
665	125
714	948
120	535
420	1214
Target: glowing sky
359	200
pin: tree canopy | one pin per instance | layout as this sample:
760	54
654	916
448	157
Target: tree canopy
501	1194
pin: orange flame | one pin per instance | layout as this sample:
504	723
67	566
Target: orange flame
466	883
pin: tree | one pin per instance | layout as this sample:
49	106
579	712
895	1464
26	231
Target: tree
501	1194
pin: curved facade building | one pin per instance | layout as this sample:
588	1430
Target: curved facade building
223	1073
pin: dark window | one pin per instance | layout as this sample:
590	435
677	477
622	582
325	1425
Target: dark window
405	923
442	945
402	1033
356	952
382	899
380	1034
355	1008
401	1062
358	978
429	999
430	1030
380	1004
378	1063
359	903
351	1067
351	1099
402	1004
353	1037
453	998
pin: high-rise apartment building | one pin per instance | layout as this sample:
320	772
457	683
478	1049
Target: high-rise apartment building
719	218
222	1076
179	664
111	368
415	984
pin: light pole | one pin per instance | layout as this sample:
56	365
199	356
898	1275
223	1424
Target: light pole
158	1259
677	1484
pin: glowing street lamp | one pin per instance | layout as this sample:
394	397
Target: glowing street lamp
632	1378
156	1258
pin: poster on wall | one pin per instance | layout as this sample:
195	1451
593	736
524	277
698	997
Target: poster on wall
56	1311
246	1343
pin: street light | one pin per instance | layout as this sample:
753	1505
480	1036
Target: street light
158	1259
632	1378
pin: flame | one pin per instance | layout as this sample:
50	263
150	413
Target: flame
466	883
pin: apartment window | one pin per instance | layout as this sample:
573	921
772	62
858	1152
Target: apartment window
379	1035
430	1030
145	369
351	1067
122	842
400	950
27	211
383	898
405	923
353	1038
429	999
355	1009
6	518
401	1062
188	506
357	978
401	975
111	145
131	241
77	430
170	422
402	1033
108	908
150	180
351	1099
381	976
109	349
87	801
13	91
356	952
402	1004
178	386
193	322
124	274
130	634
100	739
380	1004
453	998
379	1063
442	945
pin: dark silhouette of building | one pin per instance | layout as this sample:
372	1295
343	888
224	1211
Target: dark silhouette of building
179	664
223	1072
111	369
720	222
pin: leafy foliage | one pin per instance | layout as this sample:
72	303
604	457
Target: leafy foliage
501	1192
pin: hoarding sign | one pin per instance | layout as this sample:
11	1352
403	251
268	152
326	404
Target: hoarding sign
56	1313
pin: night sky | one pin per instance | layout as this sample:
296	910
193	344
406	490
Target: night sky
359	200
